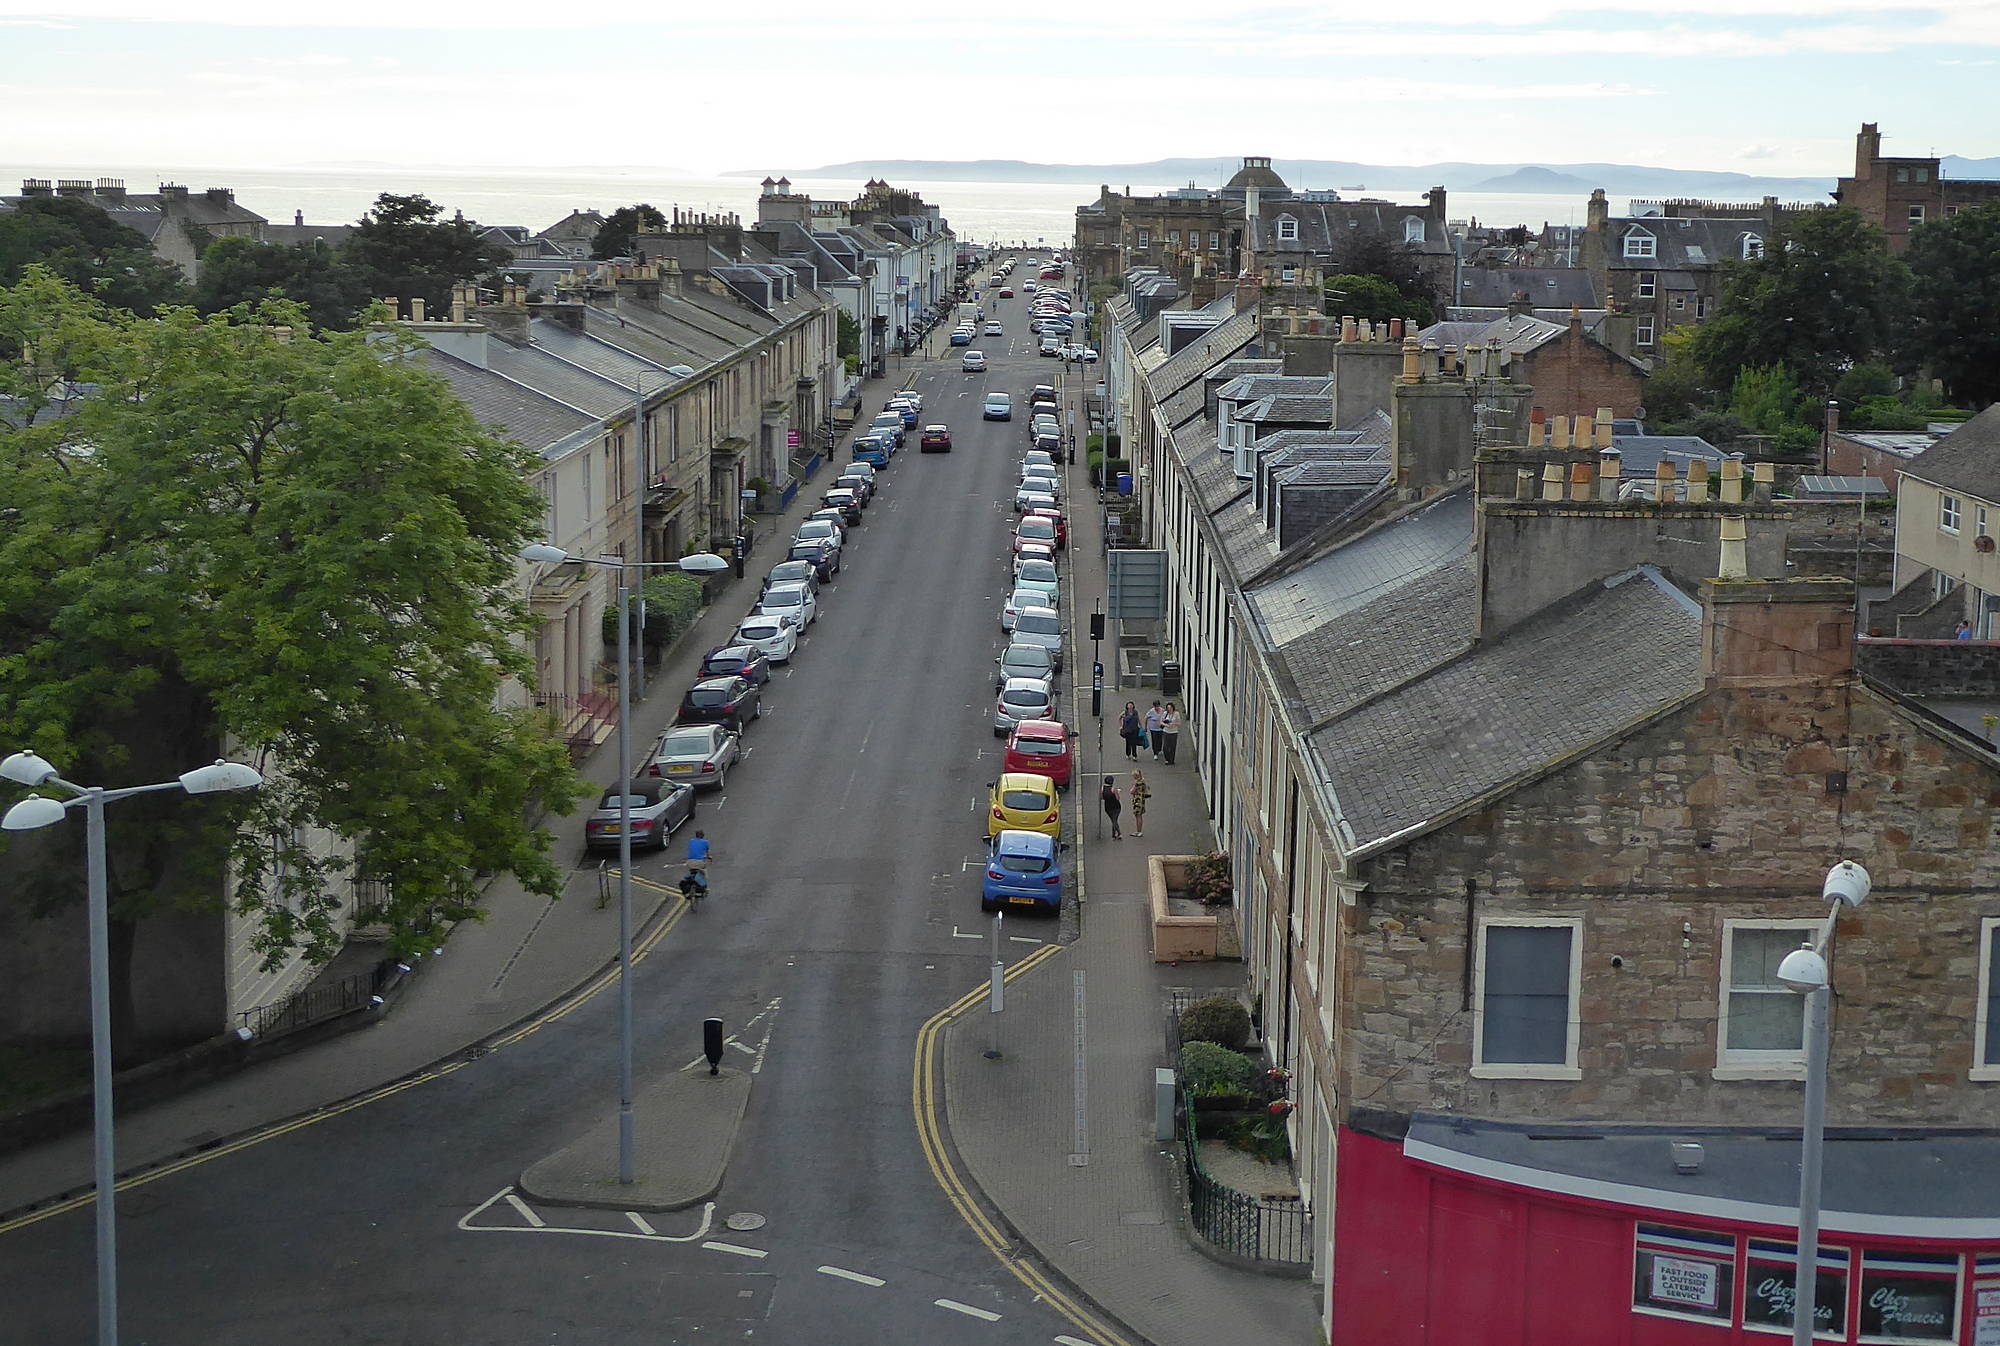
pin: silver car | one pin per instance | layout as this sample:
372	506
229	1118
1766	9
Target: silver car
1020	598
695	754
1043	627
657	807
776	638
1022	699
821	530
1024	661
789	600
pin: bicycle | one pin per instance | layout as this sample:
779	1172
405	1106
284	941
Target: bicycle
694	887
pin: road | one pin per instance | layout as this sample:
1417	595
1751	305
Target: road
845	889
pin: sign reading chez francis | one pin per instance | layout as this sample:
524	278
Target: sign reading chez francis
1909	1296
1767	1287
1678	1281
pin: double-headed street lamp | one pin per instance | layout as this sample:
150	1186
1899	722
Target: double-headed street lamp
1804	970
701	563
25	768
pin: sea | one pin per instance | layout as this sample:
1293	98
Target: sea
978	212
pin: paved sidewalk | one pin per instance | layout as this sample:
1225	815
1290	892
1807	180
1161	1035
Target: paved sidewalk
1058	1132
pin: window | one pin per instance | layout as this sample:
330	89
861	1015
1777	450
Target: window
1683	1272
1908	1297
1639	243
1920	175
1647	285
1916	215
1753	247
1145	238
1980	527
1645	336
1288	229
1289	274
1214	239
1680	303
1902	175
1174	237
1942	583
1701	306
1524	1006
1413	229
1762	1034
1986	1015
1767	1288
1948	513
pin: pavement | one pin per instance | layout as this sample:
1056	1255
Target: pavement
1055	1132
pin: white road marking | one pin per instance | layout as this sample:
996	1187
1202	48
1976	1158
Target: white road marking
967	1310
1072	1341
639	1222
526	1213
956	933
1024	939
854	1276
644	1232
740	1251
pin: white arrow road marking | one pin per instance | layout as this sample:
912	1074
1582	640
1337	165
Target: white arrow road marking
643	1230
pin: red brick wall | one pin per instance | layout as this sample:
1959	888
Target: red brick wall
1574	376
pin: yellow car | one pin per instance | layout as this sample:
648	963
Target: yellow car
1023	803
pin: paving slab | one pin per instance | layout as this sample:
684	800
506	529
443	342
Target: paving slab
683	1130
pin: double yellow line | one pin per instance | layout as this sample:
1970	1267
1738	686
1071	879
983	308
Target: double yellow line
576	999
925	1088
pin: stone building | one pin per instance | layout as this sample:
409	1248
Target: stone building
1899	194
1947	519
178	223
1573	371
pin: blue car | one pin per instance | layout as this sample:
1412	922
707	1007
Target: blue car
961	338
1023	869
872	451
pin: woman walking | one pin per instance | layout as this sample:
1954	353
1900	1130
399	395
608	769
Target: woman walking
1153	718
1113	805
1141	792
1170	733
1128	729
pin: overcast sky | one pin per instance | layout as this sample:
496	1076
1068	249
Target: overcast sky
1761	86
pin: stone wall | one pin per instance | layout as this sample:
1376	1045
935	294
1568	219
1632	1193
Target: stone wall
1730	808
1932	667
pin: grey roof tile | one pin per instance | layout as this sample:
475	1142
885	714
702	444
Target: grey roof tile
1358	573
1967	459
1400	634
527	417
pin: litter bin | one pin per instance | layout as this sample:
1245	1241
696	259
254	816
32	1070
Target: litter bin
1124	483
1170	678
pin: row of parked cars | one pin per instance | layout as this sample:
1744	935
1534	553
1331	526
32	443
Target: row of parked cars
1025	851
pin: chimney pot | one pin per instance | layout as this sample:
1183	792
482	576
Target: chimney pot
1732	481
1581	478
1561	427
1524	483
1733	563
1610	464
1765	476
1538	428
1697	483
417	309
1552	481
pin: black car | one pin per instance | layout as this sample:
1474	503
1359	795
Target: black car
824	558
658	807
741	661
730	701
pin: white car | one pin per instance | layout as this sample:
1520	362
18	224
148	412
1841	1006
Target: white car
1037	458
1087	354
1020	598
776	638
973	362
994	329
857	468
795	601
1045	482
821	530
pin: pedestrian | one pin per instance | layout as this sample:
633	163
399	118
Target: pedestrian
1128	729
1964	631
1113	805
1170	733
1141	792
1153	719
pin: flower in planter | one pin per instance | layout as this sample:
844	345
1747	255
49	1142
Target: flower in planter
1277	1074
1281	1107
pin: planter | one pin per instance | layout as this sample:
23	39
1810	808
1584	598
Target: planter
1181	933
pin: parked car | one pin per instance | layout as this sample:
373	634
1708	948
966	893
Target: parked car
908	410
732	702
1047	443
1044	748
936	439
657	805
1022	699
790	600
821	554
999	407
1040	575
829	514
792	572
1023	869
961	336
973	362
1043	627
695	754
1025	800
1018	599
776	638
1087	354
737	660
1044	483
1006	292
1038	458
873	451
889	423
1024	661
846	501
859	468
820	530
1035	528
863	487
1030	495
1042	392
1043	423
1054	516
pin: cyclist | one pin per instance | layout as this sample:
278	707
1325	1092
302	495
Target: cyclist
694	884
698	850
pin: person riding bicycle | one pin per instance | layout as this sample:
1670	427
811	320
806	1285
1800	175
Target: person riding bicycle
698	851
694	884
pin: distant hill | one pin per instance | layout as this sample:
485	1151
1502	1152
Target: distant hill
1405	180
1952	166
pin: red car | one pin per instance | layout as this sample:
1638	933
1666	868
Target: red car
936	439
1053	516
1006	292
1042	747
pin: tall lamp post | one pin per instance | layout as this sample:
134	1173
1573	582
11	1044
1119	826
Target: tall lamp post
701	563
25	768
1804	970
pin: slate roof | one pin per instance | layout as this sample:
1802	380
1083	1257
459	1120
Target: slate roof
529	418
1251	387
1967	459
1572	676
1422	541
1288	410
1682	244
1185	366
1640	455
1546	286
1400	634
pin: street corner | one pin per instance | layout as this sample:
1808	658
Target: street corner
684	1129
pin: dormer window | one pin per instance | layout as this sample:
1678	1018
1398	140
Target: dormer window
1413	229
1753	247
1288	229
1639	243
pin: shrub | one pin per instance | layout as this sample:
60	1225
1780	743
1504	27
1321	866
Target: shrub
1209	880
1219	1019
1209	1071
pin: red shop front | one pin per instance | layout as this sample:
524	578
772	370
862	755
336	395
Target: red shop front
1466	1233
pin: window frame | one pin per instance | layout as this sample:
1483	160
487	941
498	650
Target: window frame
1482	1069
1145	236
1287	228
1755	1063
1951	513
1415	230
1916	214
1647	285
1641	243
1643	333
1643	1230
1983	1007
1753	247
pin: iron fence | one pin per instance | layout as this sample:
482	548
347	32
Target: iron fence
1258	1228
316	1004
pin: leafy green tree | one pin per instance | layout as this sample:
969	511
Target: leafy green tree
1375	298
1823	296
243	271
1955	297
616	236
1398	263
849	339
1769	401
293	543
89	249
1675	389
401	250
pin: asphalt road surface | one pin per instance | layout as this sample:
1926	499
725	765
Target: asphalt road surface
846	881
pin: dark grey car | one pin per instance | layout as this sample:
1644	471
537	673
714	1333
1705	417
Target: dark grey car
658	807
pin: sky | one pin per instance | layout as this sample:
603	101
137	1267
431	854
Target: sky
1769	87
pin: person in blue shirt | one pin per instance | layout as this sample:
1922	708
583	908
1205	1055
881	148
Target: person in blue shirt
698	850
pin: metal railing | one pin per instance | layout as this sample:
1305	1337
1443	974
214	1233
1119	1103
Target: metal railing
1258	1228
316	1004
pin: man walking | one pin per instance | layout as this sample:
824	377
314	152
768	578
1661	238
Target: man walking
1113	805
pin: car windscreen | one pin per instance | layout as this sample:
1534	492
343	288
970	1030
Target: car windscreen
1024	864
686	743
1038	747
1029	624
708	696
1041	571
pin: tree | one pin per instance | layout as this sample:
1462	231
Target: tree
615	237
401	251
89	249
1954	297
243	271
1375	298
1822	297
1398	263
849	338
297	543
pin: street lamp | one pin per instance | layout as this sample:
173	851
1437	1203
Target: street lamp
1804	970
701	563
36	811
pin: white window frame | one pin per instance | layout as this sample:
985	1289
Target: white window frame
1145	237
1214	240
1643	334
1647	285
1916	214
1639	243
1753	247
1980	524
1528	1070
1752	1063
1951	513
1288	229
1413	229
1289	275
1984	1070
1173	238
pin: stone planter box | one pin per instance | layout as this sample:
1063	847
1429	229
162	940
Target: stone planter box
1183	931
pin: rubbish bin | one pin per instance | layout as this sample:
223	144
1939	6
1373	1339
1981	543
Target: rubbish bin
1170	678
1124	483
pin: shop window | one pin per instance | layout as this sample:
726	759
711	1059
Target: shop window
1768	1282
1908	1297
1763	1020
1686	1273
1524	1017
1986	1017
